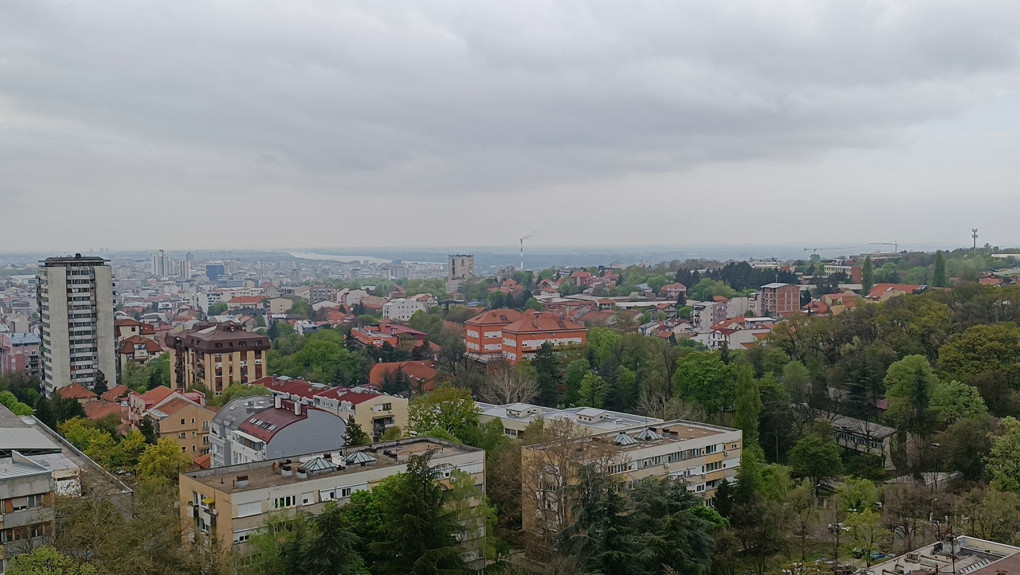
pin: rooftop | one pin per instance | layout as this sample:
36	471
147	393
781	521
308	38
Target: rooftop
973	556
597	419
263	474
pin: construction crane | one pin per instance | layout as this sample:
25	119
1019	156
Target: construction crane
895	245
816	250
529	236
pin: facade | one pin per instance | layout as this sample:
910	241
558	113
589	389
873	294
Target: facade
864	436
257	428
27	518
401	309
779	299
701	455
232	503
522	338
461	267
483	336
184	421
76	318
19	352
216	356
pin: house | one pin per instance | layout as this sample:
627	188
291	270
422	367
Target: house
137	349
250	429
422	376
280	305
840	302
402	309
139	404
522	338
673	291
78	392
882	292
483	335
864	436
581	279
183	420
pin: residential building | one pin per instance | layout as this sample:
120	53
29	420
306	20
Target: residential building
882	292
516	417
863	436
139	404
138	350
951	553
373	411
701	455
483	336
280	305
259	428
160	269
461	267
401	309
27	518
216	357
389	333
705	314
183	420
779	299
233	503
673	291
421	376
76	321
19	352
522	338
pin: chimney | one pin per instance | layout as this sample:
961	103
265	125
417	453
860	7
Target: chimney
277	401
297	408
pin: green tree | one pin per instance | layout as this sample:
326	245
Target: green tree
965	444
593	390
1003	462
576	370
867	275
909	383
100	386
217	309
982	349
952	401
867	532
8	400
747	404
939	275
354	435
546	368
48	561
418	534
448	409
163	460
236	391
158	371
816	456
704	378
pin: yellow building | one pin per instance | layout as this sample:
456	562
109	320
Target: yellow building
216	356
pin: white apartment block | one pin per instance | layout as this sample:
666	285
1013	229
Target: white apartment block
76	319
401	309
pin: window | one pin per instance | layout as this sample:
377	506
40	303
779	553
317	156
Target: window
387	406
711	448
35	500
710	467
182	421
282	502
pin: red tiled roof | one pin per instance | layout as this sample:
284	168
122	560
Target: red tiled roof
273	418
116	393
495	317
204	461
128	345
345	394
96	410
417	371
245	300
174	405
533	322
298	387
881	289
76	391
155	395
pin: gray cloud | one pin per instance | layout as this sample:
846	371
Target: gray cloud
411	101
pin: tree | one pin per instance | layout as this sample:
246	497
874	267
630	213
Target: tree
965	444
816	456
1003	462
576	370
100	386
703	377
354	435
867	532
418	530
952	401
867	275
982	349
8	400
323	544
217	308
939	275
546	368
797	381
593	390
909	384
48	561
449	409
163	460
747	404
991	514
508	383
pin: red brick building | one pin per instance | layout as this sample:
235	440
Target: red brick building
522	338
483	335
779	299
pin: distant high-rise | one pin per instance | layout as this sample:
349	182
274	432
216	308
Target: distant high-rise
213	270
76	317
159	267
462	267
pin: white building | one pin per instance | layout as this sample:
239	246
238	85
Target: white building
76	321
401	309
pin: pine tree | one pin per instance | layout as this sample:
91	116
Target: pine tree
354	435
939	275
867	275
99	387
747	405
545	365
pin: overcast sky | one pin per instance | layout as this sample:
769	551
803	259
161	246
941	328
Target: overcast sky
127	124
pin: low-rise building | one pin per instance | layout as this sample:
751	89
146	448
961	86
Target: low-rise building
864	436
401	309
184	421
522	338
779	299
483	335
27	518
251	429
232	503
516	417
216	356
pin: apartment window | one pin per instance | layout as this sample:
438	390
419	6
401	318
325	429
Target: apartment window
711	448
182	421
387	406
182	435
282	502
35	500
710	467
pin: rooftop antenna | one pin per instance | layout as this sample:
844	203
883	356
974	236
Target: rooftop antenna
974	234
522	249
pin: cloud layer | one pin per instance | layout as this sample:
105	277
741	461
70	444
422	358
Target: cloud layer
393	123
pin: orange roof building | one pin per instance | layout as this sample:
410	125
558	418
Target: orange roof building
521	339
483	334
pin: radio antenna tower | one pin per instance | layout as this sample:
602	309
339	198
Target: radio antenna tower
522	249
974	235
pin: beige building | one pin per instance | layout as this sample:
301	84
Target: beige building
702	455
279	305
185	422
216	356
232	503
76	320
27	519
516	417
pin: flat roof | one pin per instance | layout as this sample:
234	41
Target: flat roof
973	555
676	431
261	474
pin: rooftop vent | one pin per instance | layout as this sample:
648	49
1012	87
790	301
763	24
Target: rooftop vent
624	439
648	434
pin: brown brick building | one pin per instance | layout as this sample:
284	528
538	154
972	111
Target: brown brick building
216	356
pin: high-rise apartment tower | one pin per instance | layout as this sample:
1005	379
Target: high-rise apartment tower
76	313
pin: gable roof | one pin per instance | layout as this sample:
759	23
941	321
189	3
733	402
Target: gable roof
116	393
534	321
882	289
501	316
128	345
76	391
